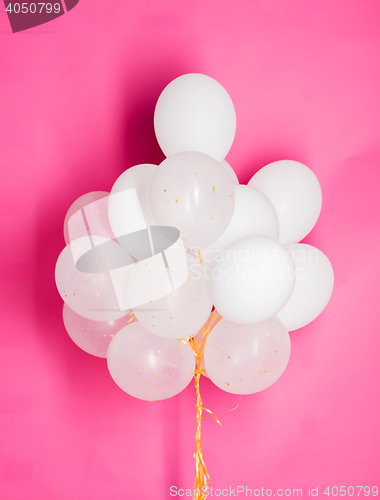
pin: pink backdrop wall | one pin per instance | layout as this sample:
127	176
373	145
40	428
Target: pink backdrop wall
76	107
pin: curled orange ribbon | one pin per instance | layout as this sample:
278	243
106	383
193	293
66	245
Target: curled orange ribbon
197	343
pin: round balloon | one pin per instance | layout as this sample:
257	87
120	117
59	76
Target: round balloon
93	337
313	289
296	195
253	280
244	359
137	178
254	214
87	201
195	113
147	366
192	192
231	172
90	292
183	312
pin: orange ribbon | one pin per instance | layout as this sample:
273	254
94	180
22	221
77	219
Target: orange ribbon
202	477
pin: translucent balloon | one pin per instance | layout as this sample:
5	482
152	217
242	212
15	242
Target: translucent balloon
183	312
244	359
254	214
314	286
102	216
147	366
231	172
89	294
93	337
253	280
192	192
296	195
137	177
195	113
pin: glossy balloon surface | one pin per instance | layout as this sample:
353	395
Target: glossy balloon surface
296	195
194	193
253	280
313	288
195	113
244	359
147	366
91	336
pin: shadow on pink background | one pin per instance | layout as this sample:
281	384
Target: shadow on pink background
76	109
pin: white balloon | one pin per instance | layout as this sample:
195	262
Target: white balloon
244	359
90	294
93	337
149	367
137	177
313	289
192	192
231	172
254	215
296	195
96	201
253	280
195	113
183	312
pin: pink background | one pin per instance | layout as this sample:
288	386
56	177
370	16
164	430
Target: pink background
76	108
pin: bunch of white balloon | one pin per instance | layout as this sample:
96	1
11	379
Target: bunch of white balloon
239	245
